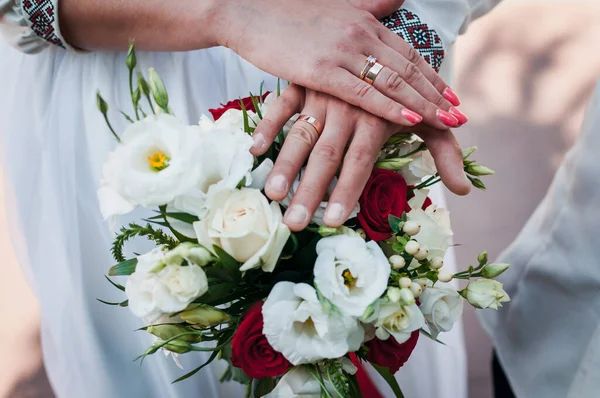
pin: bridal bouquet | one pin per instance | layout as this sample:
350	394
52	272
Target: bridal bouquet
293	313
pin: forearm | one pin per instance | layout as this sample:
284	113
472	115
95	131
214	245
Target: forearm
155	25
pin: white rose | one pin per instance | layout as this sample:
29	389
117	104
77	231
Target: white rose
296	325
320	211
435	230
232	120
351	273
486	293
442	306
154	163
156	289
246	226
396	320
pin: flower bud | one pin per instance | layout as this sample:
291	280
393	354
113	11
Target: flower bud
393	293
143	84
411	228
437	263
412	247
406	297
482	258
166	332
478	170
416	290
397	261
205	316
491	271
158	90
422	253
405	282
393	163
445	275
131	60
477	183
485	293
325	231
361	232
178	346
101	104
468	152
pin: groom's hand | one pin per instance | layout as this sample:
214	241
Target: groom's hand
379	8
350	138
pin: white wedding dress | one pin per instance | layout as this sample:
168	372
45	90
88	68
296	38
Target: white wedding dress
54	142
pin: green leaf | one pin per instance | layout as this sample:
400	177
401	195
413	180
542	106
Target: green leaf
426	333
246	117
398	248
278	87
108	303
120	287
468	152
262	387
394	223
127	117
477	183
390	379
217	292
212	357
256	106
183	217
127	267
229	263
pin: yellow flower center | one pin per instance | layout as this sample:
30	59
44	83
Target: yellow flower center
349	279
158	161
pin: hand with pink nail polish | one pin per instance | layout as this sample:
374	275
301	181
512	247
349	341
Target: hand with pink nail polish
337	161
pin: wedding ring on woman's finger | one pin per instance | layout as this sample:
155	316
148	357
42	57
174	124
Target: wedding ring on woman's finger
371	60
312	121
373	72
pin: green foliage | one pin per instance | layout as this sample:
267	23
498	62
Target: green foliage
133	230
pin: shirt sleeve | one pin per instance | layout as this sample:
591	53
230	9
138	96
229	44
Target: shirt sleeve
31	25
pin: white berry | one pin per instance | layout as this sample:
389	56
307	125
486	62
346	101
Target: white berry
361	232
397	261
412	247
411	228
405	282
422	253
437	263
416	290
445	275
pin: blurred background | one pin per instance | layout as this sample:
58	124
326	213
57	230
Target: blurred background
524	74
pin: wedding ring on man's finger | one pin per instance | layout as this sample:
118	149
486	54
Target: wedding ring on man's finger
312	121
372	73
371	60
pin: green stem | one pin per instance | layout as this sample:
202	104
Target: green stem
427	181
111	128
135	106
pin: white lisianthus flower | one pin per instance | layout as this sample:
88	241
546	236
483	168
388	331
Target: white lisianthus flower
435	230
246	226
225	160
442	307
156	288
320	211
296	325
396	320
350	272
154	163
422	166
232	120
485	293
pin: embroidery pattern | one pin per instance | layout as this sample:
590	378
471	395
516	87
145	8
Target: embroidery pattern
41	17
416	33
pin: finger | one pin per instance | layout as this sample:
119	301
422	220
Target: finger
341	83
322	166
285	106
379	8
448	159
408	86
297	146
358	164
398	44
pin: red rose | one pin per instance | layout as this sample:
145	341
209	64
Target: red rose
235	104
251	351
384	194
388	353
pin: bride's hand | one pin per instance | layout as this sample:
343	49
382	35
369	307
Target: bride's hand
352	138
323	45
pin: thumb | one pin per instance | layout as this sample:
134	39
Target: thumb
379	8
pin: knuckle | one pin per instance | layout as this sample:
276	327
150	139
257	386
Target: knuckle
363	90
327	153
357	30
411	72
441	102
360	156
303	134
412	55
394	82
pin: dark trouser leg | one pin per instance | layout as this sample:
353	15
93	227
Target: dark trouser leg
502	388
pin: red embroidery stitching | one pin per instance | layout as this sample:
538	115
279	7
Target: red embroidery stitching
41	17
416	33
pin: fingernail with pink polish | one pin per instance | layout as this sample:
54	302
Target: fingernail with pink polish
259	141
451	96
411	116
462	118
447	118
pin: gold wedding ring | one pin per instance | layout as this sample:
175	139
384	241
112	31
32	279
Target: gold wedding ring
372	73
371	60
312	121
